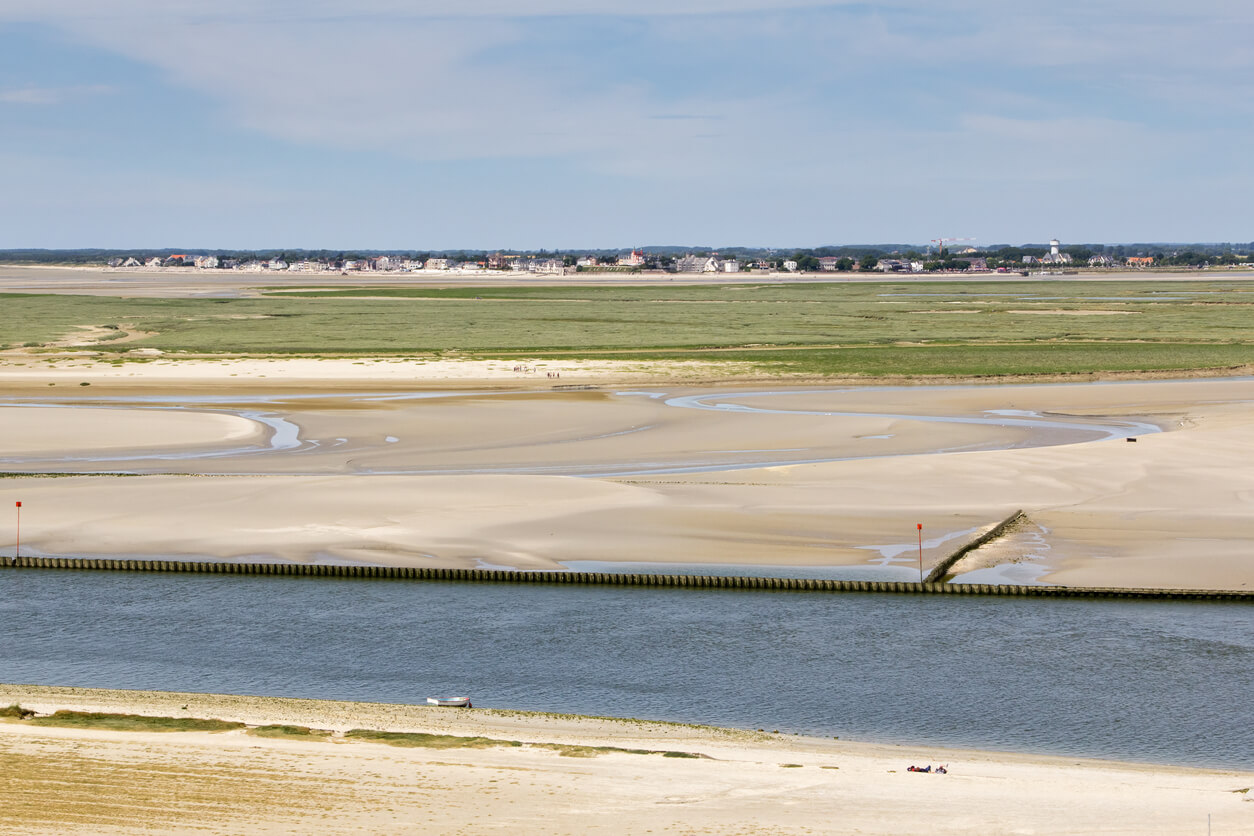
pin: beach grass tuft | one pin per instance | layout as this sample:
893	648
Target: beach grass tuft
449	741
427	741
289	732
133	722
16	711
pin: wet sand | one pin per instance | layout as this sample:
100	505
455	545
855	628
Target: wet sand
166	282
507	472
58	780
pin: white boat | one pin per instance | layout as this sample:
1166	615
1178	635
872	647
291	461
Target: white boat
450	702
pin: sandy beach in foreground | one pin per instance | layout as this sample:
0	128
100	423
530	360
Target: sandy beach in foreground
62	780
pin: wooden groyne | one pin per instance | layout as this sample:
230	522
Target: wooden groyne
940	570
417	573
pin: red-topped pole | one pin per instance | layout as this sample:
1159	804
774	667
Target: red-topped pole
17	550
920	527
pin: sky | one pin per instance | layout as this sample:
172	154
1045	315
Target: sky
561	124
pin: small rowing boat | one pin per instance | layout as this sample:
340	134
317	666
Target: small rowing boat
450	702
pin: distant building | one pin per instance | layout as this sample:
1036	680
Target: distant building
731	266
1140	261
497	261
1101	261
827	263
436	264
690	264
206	262
635	259
790	266
586	261
1055	255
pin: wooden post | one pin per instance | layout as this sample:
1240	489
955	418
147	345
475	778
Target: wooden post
17	549
920	527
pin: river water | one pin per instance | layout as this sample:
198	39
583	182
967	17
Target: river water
1153	681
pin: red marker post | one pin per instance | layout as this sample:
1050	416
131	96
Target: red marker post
920	527
17	549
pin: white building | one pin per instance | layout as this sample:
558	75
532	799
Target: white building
636	259
690	264
1055	255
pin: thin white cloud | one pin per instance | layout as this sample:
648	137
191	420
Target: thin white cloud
52	95
432	82
314	10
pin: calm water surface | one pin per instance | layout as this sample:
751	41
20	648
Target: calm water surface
1132	680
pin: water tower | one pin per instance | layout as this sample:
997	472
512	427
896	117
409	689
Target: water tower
1054	244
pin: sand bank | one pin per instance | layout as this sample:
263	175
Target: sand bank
65	433
73	780
536	478
19	373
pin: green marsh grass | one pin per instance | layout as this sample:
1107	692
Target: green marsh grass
847	329
426	741
132	722
449	741
289	732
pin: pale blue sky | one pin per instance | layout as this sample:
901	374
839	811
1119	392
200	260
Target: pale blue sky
572	123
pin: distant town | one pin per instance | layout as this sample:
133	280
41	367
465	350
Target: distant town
942	256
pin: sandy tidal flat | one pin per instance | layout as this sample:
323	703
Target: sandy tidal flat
57	780
475	472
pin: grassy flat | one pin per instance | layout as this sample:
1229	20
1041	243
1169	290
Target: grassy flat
872	329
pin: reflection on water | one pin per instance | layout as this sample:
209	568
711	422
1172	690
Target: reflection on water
1107	428
1137	680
